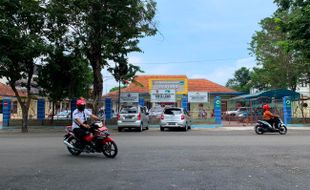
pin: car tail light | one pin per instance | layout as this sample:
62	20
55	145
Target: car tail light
118	116
139	116
182	117
162	117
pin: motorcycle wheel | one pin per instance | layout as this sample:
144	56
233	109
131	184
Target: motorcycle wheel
259	130
283	130
110	149
73	151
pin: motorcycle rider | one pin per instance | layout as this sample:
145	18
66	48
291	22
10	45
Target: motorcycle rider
79	117
268	116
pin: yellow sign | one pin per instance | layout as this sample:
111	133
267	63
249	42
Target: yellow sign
180	85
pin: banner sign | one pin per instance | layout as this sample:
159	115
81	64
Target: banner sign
141	101
184	102
179	85
198	97
163	96
6	111
287	110
108	108
129	97
218	110
41	109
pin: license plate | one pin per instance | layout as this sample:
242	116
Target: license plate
170	123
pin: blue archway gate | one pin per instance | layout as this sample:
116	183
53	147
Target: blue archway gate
245	110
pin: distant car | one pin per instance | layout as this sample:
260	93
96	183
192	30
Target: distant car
156	111
234	113
63	115
247	115
133	117
175	117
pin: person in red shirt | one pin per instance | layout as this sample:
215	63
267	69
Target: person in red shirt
268	116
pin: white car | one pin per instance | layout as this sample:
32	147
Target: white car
133	117
63	115
175	118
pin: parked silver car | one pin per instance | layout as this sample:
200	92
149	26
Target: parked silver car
63	115
156	111
175	118
133	117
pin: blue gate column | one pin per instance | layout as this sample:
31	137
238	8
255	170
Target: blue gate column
41	109
73	105
287	110
108	108
6	111
141	101
218	110
184	102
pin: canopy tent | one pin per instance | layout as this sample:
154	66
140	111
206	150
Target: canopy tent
276	94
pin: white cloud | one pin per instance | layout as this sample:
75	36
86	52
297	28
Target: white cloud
222	74
246	62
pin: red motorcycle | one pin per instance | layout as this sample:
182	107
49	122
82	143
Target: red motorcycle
98	141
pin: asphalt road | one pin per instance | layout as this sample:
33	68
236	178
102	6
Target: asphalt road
198	159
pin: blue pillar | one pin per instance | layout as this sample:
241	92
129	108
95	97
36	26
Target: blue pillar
108	108
41	109
141	101
287	110
218	110
6	111
73	105
184	102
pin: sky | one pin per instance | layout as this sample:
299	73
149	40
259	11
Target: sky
200	38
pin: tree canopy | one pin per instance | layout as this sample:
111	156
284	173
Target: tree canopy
21	44
103	31
241	80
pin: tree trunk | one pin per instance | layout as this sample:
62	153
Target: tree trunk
53	112
119	96
98	85
25	119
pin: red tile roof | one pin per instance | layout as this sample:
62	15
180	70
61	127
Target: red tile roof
194	85
204	85
6	90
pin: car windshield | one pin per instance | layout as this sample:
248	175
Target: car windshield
129	110
156	109
173	111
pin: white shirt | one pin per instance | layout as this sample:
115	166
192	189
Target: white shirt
82	115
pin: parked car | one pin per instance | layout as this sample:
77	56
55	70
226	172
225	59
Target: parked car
63	115
175	117
244	116
232	115
133	117
156	111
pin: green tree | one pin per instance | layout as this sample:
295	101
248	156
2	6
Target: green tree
21	44
277	65
297	27
241	80
116	88
102	30
64	76
124	73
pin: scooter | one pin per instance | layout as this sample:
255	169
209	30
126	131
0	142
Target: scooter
99	141
262	127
